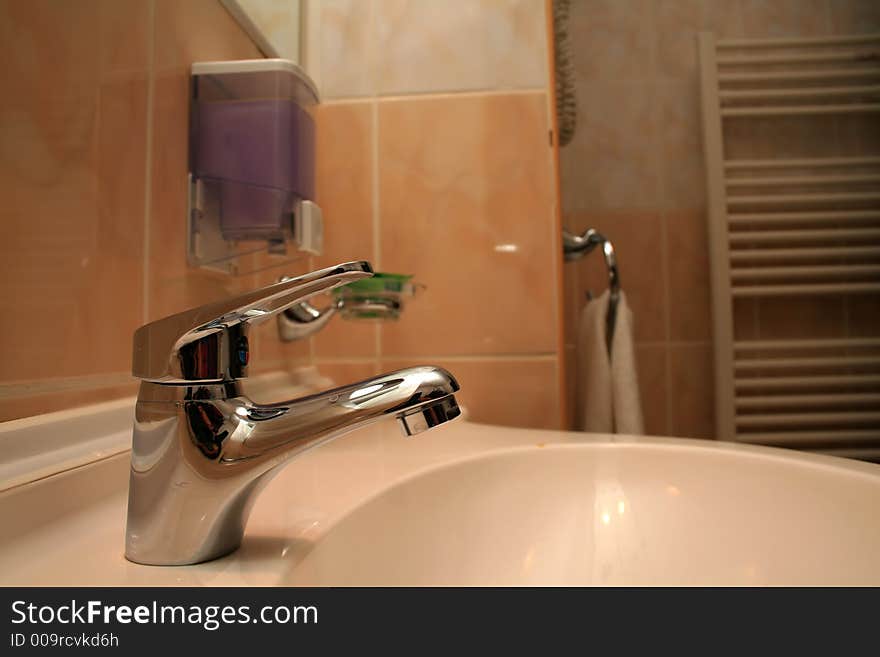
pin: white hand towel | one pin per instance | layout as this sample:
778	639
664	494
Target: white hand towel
624	379
593	405
607	388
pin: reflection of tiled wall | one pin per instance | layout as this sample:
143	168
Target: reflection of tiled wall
635	172
279	23
434	160
92	180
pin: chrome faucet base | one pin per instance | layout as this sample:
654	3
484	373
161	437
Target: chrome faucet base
201	454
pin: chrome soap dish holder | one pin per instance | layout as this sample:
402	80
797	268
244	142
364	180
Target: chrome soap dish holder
380	298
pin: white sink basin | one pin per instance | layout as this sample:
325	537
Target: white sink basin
652	513
463	504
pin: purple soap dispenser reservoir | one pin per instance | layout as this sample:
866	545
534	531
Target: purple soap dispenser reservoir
252	162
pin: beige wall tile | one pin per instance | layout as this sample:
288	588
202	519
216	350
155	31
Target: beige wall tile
611	164
348	67
691	391
683	170
126	31
571	373
573	301
344	192
508	392
346	338
612	39
690	312
423	46
785	18
651	361
723	17
49	402
120	237
345	372
344	179
854	16
676	28
269	353
468	209
71	175
280	21
197	30
675	39
50	49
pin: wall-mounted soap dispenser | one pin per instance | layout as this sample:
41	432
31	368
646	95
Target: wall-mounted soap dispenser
251	163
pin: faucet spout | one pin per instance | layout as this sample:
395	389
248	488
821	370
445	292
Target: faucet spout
201	453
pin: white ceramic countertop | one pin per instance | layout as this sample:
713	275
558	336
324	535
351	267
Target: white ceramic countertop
74	521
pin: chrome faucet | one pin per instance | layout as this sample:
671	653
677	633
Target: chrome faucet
202	450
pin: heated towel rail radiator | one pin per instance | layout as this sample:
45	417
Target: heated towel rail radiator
789	223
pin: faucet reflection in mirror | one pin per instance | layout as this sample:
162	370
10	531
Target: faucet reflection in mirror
202	450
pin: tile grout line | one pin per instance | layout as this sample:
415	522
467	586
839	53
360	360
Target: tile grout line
313	339
668	342
663	204
374	171
148	164
344	360
660	159
673	343
436	94
30	388
547	356
374	207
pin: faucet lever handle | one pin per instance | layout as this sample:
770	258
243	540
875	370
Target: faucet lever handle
209	344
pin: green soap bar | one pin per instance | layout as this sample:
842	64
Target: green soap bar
377	283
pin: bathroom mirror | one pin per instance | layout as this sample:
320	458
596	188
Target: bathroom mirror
273	25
